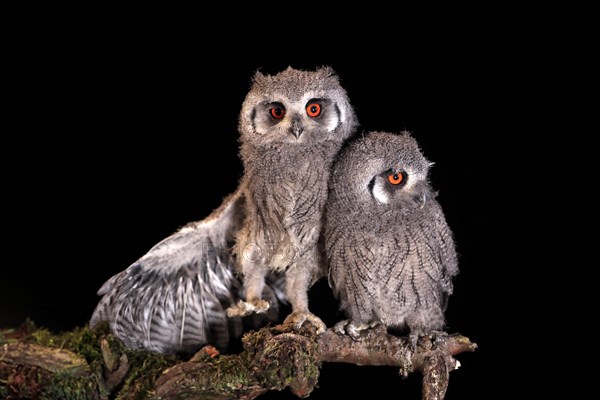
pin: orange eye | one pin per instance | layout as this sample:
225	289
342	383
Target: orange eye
277	112
395	179
313	110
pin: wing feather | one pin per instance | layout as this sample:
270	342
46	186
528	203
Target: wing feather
173	299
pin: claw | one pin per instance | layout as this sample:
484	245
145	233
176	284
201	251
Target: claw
434	335
437	337
340	327
298	318
243	308
354	330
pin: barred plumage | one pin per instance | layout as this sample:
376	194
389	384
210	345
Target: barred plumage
390	251
173	299
292	125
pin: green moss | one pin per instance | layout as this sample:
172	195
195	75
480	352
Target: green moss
145	368
65	386
285	358
232	373
274	358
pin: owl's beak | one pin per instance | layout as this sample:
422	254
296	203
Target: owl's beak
296	128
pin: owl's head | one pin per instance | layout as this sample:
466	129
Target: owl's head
382	168
296	107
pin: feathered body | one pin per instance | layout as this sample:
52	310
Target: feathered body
174	298
292	126
390	251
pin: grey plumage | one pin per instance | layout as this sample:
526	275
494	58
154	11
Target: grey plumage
173	299
292	125
390	251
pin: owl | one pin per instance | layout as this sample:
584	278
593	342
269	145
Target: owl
174	298
390	252
292	126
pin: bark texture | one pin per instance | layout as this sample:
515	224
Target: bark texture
93	364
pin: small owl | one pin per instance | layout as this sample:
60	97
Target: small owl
390	251
292	126
174	298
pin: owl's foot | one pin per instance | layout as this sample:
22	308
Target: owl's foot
298	318
413	340
434	335
346	327
243	308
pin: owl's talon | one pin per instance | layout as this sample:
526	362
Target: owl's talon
378	328
298	318
244	308
355	331
437	336
434	336
340	327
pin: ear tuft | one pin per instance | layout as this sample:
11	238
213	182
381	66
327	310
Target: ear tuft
259	77
327	71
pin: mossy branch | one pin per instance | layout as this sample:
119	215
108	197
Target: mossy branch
93	364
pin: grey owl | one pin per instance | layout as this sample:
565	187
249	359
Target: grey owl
292	126
390	251
174	298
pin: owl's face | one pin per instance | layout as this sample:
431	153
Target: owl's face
296	107
384	169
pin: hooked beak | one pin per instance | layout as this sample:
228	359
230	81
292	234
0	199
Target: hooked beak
296	128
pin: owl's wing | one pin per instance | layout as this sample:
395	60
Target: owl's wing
443	241
173	299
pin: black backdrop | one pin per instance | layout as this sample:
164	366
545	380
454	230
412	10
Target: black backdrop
125	130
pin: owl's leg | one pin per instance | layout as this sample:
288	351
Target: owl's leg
298	280
254	283
415	335
426	322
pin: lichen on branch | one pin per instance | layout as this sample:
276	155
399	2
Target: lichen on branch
93	364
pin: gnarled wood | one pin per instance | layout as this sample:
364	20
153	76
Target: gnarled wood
273	358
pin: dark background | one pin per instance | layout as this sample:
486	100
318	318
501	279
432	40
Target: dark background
123	130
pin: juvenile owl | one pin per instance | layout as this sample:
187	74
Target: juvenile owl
174	298
390	251
292	125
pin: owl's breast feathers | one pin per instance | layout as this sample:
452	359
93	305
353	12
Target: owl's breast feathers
288	188
401	241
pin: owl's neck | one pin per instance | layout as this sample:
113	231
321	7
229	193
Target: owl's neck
277	155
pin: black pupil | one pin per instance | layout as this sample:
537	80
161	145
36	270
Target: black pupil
313	109
278	111
395	177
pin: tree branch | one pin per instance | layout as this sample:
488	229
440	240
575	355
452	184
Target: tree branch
98	366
